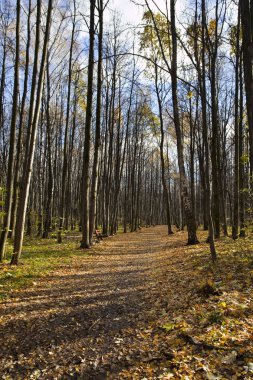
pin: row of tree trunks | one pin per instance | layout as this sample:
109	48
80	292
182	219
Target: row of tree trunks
32	129
11	161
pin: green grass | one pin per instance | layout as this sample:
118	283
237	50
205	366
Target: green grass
39	258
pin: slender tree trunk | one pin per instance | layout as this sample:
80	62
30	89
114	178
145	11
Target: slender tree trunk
85	243
192	155
20	129
64	184
33	119
237	163
241	163
2	84
190	221
205	136
214	153
11	162
49	195
165	188
94	184
246	7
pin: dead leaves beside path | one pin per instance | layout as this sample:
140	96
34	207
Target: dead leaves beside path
210	335
145	307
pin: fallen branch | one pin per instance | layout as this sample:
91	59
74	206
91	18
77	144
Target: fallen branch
91	327
188	339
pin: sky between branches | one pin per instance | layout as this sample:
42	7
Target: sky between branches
132	13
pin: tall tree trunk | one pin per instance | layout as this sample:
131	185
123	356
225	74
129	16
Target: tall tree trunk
214	152
64	184
49	194
31	140
85	243
11	161
165	188
205	135
2	84
241	150
190	221
20	129
192	155
237	163
94	184
247	46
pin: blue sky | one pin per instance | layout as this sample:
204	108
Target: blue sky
132	13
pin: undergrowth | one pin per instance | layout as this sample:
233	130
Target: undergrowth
39	258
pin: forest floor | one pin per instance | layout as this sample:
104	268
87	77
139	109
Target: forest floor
140	306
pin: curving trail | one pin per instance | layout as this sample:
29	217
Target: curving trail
82	322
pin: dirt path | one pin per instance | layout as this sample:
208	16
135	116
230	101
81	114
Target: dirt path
81	322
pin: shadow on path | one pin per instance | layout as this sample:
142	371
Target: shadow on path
70	321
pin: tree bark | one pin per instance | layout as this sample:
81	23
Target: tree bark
165	188
205	136
190	221
94	184
236	162
11	161
31	140
247	47
85	242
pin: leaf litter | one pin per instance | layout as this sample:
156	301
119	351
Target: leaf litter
143	306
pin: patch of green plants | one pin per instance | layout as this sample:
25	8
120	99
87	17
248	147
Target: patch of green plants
39	258
215	317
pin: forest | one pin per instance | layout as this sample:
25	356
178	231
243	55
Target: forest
126	206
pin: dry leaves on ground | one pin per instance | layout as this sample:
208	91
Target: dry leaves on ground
146	306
